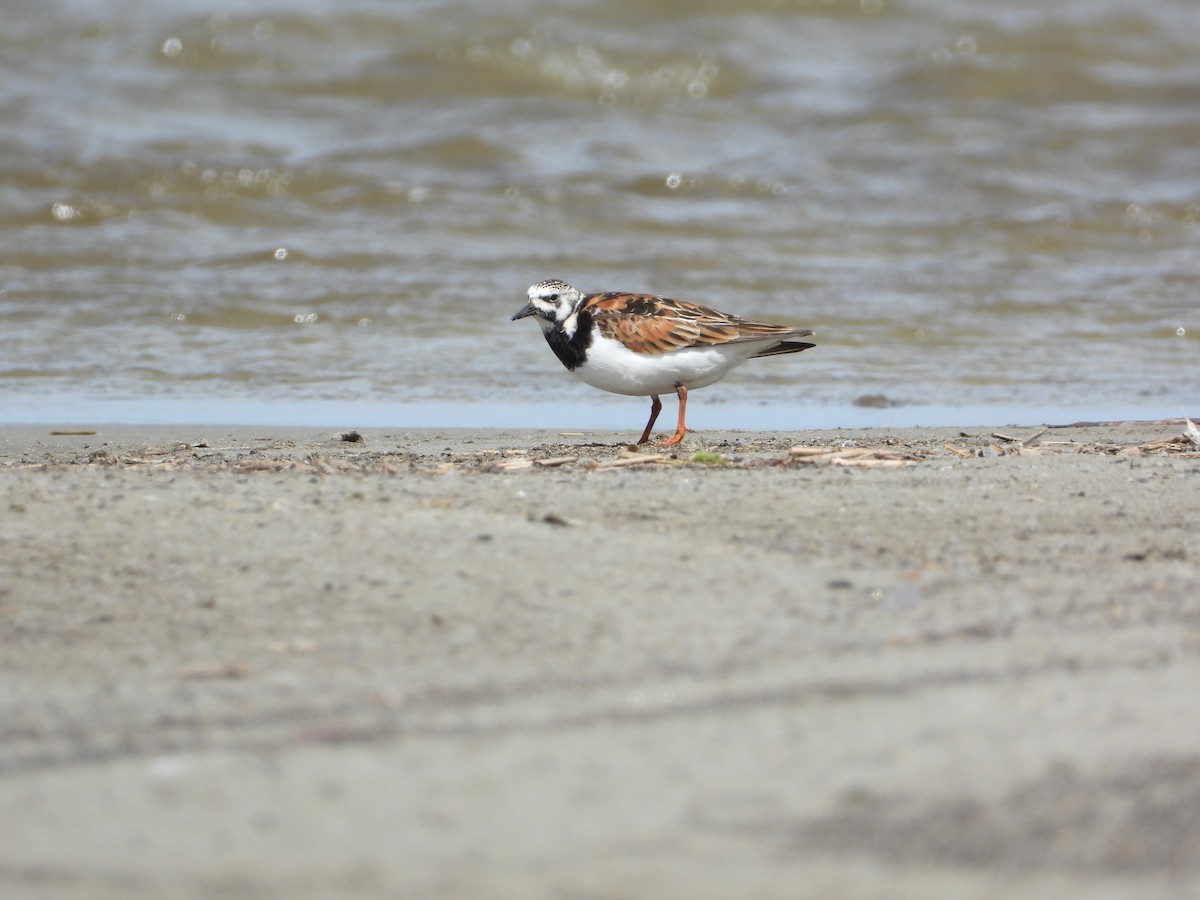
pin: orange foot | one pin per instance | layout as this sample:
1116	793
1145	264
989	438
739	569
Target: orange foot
680	430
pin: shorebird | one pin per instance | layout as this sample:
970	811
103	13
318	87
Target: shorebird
643	345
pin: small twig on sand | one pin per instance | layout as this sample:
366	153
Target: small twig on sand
555	461
633	461
863	457
1025	442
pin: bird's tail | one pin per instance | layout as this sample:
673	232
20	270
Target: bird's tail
785	347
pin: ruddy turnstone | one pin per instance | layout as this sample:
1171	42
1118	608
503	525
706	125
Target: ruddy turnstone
643	345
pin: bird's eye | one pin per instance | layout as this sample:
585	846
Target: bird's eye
553	298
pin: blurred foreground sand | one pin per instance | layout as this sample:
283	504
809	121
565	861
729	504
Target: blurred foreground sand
271	662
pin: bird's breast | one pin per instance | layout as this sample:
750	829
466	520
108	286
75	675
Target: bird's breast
611	366
570	345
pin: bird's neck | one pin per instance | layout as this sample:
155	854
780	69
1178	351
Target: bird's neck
570	346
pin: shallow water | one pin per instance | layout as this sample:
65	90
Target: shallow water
208	211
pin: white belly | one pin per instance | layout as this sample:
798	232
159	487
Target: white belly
610	366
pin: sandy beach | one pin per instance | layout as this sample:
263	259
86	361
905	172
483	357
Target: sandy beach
291	662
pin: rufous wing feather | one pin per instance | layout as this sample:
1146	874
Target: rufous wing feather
648	324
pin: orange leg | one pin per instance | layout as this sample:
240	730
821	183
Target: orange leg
655	409
680	430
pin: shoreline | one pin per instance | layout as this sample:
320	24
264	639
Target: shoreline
598	413
54	439
934	661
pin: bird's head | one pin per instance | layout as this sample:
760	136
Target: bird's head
553	302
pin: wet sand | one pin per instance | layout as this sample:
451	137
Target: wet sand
274	662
